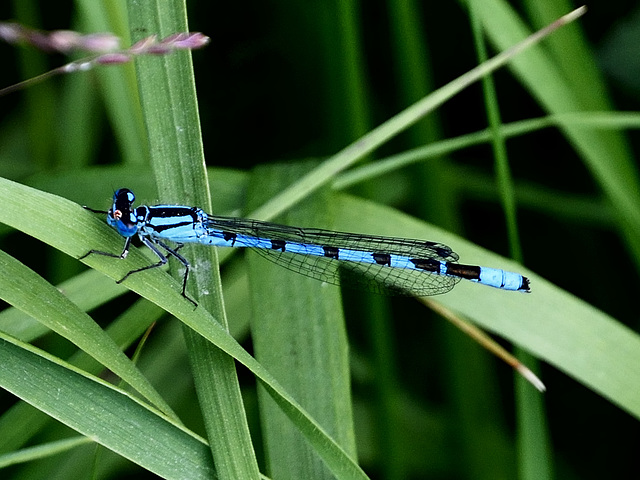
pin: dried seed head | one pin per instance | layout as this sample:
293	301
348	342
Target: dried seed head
100	42
113	58
63	40
106	45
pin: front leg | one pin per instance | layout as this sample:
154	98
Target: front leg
162	260
123	255
154	249
93	210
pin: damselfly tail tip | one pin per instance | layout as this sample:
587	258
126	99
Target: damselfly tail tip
525	286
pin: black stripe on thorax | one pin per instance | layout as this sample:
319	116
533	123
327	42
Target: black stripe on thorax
162	228
170	211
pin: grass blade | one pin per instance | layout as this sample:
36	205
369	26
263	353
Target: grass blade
167	92
117	421
312	366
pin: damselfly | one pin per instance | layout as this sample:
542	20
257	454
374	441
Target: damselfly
387	265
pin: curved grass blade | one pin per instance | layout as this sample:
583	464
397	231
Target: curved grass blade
24	289
24	209
555	326
117	421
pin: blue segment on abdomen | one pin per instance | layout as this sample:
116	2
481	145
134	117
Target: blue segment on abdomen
500	278
488	276
221	239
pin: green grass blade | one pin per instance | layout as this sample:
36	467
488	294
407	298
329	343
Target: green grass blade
22	422
389	129
572	53
299	334
117	83
87	291
555	326
590	120
531	418
168	97
41	451
84	232
24	289
604	153
117	420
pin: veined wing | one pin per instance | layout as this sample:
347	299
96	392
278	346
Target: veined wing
324	254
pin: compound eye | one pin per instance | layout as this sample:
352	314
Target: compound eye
124	192
117	214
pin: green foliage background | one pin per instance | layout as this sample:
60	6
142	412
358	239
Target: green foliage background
348	385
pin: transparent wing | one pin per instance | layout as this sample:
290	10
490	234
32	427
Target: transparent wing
369	276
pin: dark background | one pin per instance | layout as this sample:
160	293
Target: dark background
269	91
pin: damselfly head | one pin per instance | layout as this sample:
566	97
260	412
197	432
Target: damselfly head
123	196
121	215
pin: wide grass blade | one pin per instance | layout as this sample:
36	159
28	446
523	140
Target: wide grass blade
78	236
168	98
299	334
25	290
555	326
117	421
